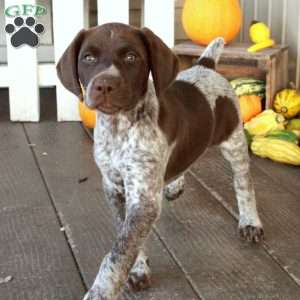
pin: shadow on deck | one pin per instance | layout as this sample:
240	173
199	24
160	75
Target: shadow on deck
55	226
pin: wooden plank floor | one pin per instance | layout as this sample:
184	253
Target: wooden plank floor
55	229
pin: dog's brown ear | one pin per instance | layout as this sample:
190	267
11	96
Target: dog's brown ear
163	62
67	66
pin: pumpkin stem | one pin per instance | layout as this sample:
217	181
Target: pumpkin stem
254	22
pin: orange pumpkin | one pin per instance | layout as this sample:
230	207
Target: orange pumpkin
88	116
250	106
204	20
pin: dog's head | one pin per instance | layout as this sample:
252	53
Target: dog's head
112	62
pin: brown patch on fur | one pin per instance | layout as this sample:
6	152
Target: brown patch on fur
187	120
226	119
164	64
207	62
67	66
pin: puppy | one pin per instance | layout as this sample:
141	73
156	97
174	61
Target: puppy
148	133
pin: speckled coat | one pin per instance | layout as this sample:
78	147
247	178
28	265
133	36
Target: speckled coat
143	152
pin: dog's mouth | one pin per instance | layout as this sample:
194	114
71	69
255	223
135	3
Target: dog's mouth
108	109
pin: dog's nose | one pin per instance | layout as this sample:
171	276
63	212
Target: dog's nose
105	86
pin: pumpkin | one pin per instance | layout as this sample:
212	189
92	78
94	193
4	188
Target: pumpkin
205	20
250	106
88	116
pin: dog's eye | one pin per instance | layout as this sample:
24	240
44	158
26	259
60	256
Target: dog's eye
130	57
90	59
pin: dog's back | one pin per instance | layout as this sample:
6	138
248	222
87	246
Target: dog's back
199	109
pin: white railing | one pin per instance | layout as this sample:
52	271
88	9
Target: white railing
25	75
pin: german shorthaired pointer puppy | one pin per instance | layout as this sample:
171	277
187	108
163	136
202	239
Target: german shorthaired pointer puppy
148	133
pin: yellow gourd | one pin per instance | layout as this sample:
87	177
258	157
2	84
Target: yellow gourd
260	36
259	32
277	150
287	102
205	20
264	122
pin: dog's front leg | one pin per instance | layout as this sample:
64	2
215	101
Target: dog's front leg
143	200
139	276
115	196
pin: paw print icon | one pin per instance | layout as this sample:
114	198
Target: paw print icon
24	32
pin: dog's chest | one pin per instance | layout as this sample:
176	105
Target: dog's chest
129	146
110	150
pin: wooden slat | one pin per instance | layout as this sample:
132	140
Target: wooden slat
284	21
235	50
241	33
276	21
159	16
33	249
298	54
202	235
248	18
46	75
67	103
113	11
293	9
278	206
84	211
262	9
23	81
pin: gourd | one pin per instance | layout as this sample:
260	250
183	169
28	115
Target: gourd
264	122
248	86
87	115
205	20
285	135
260	36
287	102
277	150
293	124
250	106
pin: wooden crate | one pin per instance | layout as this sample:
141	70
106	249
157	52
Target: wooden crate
269	64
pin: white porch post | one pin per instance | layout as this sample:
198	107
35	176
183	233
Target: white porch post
113	11
159	15
23	77
68	19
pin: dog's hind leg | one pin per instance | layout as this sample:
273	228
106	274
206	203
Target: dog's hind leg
174	189
235	151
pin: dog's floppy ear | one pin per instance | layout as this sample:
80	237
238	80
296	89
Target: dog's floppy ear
67	66
163	62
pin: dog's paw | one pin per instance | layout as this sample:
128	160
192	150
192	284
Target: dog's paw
140	275
250	233
139	281
174	189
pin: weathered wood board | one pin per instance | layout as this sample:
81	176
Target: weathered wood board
33	249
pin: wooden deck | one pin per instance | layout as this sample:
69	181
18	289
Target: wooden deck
55	226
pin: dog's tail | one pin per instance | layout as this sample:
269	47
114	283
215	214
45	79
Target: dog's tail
212	53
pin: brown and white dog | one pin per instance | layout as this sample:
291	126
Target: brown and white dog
149	132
